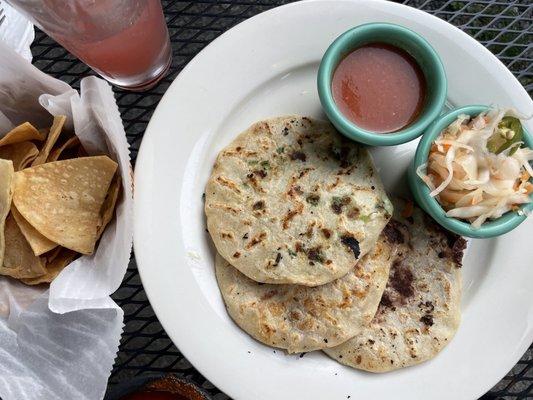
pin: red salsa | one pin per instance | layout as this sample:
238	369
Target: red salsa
379	87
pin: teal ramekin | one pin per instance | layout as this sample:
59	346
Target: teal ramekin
420	190
407	40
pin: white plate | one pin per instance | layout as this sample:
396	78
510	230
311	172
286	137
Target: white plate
265	67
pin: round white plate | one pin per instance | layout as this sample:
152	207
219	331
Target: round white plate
265	67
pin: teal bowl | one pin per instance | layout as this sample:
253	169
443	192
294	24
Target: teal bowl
421	191
405	39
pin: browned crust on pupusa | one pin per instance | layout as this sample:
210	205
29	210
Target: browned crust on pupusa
301	318
295	187
419	311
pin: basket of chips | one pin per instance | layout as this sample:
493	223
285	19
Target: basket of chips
66	227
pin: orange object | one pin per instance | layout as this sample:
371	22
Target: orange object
408	209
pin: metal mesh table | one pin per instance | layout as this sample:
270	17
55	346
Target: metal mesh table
503	26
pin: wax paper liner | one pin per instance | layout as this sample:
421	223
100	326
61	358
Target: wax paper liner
16	31
61	343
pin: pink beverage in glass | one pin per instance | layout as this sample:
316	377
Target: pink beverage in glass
125	41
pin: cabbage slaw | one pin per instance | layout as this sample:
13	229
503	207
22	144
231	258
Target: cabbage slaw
477	168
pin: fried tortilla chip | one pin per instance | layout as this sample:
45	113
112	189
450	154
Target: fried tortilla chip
6	192
108	208
44	132
38	243
53	268
22	133
22	154
52	254
51	139
71	142
63	199
19	260
82	152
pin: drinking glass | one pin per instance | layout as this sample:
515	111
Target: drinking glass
125	41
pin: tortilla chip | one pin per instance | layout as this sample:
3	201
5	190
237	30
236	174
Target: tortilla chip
63	199
71	142
51	139
82	152
52	254
108	208
22	154
19	260
6	192
64	258
22	133
44	132
38	243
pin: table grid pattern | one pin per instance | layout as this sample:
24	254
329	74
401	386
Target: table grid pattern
503	26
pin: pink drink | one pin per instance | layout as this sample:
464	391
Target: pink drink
125	41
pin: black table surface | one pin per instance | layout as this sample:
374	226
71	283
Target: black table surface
503	26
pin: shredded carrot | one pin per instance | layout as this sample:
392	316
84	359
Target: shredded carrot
451	196
435	177
408	209
524	176
529	188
